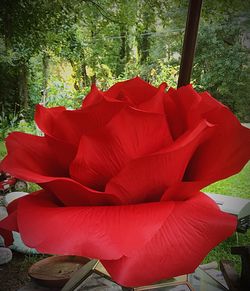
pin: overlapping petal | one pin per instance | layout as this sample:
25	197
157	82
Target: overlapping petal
93	97
87	231
134	91
147	178
225	153
42	160
72	193
32	157
228	149
68	191
121	179
151	234
70	125
189	106
59	152
130	134
193	228
156	103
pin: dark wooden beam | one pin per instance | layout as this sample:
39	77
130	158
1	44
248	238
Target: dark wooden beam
189	43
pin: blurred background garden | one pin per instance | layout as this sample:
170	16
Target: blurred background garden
52	51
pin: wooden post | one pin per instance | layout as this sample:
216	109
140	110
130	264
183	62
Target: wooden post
189	43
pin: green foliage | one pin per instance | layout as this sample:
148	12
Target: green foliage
7	123
61	47
24	126
221	66
14	122
51	52
223	250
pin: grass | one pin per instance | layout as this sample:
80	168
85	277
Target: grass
2	149
223	250
238	186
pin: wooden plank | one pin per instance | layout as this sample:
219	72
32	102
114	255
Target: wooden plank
230	275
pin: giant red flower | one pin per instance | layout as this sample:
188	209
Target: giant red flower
121	179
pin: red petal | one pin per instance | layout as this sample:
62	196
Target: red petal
59	152
156	103
189	106
135	242
178	104
45	117
97	232
129	135
68	191
31	159
136	90
33	156
225	153
183	190
70	125
193	228
145	179
194	106
202	109
72	193
64	153
94	97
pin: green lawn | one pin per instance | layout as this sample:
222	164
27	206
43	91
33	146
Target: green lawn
238	186
2	150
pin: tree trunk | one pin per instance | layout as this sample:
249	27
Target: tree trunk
144	39
80	76
45	70
145	46
7	23
123	45
93	34
124	51
75	74
84	75
85	79
23	85
93	79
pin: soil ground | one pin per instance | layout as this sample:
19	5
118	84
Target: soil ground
14	275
